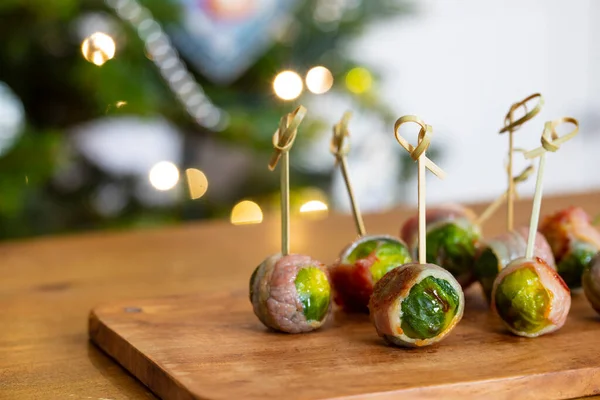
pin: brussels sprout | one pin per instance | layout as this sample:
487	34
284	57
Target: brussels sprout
416	305
572	264
531	298
429	308
314	291
591	283
495	254
361	265
291	293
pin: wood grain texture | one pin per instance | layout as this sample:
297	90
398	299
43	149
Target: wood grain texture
49	285
212	347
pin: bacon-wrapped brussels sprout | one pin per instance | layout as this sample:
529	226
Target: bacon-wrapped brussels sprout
416	305
291	293
574	242
591	282
452	239
495	254
531	298
361	265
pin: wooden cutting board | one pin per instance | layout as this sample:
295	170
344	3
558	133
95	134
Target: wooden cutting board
213	347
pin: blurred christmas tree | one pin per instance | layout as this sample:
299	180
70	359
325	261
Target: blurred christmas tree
228	108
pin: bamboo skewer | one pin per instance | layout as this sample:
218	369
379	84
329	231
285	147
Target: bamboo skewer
418	154
550	142
495	205
283	139
510	126
340	132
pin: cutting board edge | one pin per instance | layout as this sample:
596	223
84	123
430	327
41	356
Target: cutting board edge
116	347
580	382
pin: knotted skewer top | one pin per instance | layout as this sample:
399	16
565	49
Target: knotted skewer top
340	131
423	144
284	136
510	125
551	141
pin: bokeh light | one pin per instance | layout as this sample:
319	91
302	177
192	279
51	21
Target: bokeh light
246	212
314	209
98	48
359	80
197	182
319	80
287	85
164	175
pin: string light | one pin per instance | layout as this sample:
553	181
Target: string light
197	182
319	80
359	80
287	85
98	48
164	175
159	49
246	212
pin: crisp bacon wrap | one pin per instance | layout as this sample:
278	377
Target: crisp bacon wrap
496	253
531	298
416	305
361	265
291	293
452	239
574	242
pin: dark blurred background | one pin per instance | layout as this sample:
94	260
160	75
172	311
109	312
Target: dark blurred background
130	113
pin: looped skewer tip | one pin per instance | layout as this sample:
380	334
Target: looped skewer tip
551	141
338	147
424	141
285	135
510	125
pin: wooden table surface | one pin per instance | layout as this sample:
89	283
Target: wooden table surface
49	285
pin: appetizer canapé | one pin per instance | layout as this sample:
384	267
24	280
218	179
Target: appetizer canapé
531	298
291	293
574	242
495	254
416	305
361	265
452	240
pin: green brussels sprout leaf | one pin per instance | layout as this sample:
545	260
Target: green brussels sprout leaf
314	292
571	267
388	253
522	301
429	308
486	270
452	247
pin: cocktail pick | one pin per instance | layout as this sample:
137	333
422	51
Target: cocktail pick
551	141
340	149
510	126
283	139
495	205
418	154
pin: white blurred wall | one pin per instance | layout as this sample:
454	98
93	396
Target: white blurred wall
460	64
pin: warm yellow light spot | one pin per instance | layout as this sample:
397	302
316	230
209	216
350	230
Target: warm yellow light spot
287	85
164	175
314	209
120	104
359	80
98	48
197	182
246	212
319	80
313	205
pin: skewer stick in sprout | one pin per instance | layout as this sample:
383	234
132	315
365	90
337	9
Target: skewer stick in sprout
289	292
510	126
529	296
340	149
417	304
364	261
495	205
